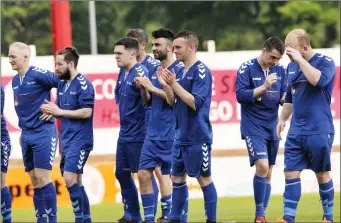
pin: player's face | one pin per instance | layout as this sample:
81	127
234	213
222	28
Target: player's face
181	49
160	48
17	59
62	68
123	56
292	41
271	58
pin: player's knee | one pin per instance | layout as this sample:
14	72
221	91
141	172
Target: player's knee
178	179
70	178
323	177
204	180
122	175
262	167
144	176
3	179
42	176
292	174
158	173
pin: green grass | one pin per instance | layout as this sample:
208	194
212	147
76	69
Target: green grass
239	209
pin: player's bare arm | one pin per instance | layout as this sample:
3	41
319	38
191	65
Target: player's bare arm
187	97
312	74
285	114
53	109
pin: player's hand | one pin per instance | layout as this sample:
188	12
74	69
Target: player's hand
272	78
169	77
293	54
279	128
137	81
146	83
51	108
160	73
45	117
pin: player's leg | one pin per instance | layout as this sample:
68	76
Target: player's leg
132	153
295	161
258	155
197	161
6	198
319	147
44	145
87	212
147	164
163	174
272	146
180	190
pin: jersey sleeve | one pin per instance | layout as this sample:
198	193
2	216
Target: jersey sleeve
117	88
327	69
243	91
2	100
202	83
284	80
288	96
46	78
86	95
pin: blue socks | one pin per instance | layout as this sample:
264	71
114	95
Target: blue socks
86	214
327	198
267	196
292	195
129	195
179	199
148	203
166	204
76	196
50	196
156	194
6	205
39	205
210	197
259	188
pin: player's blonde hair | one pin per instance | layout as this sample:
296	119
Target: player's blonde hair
302	36
23	48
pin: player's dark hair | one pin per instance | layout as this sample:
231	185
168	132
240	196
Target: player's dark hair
274	43
139	34
128	43
70	54
189	36
163	33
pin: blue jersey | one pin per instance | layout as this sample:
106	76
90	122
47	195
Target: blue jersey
80	94
194	127
30	93
131	106
162	118
311	112
259	116
4	131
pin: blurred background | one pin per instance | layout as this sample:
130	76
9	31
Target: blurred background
230	33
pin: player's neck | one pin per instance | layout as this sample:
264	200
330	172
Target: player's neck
23	70
188	63
128	68
73	75
310	53
261	63
167	62
141	57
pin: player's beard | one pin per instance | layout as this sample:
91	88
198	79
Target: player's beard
162	55
66	75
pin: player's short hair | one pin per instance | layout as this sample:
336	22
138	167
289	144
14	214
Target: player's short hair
302	36
139	34
23	47
128	43
274	43
163	33
189	36
70	54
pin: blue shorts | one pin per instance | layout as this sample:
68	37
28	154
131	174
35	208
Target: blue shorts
5	153
260	148
39	147
73	159
128	156
308	152
195	160
156	153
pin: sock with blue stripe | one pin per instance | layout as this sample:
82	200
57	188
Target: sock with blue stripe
259	188
166	204
49	192
292	195
179	197
267	196
39	205
87	214
77	201
148	203
327	198
6	205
